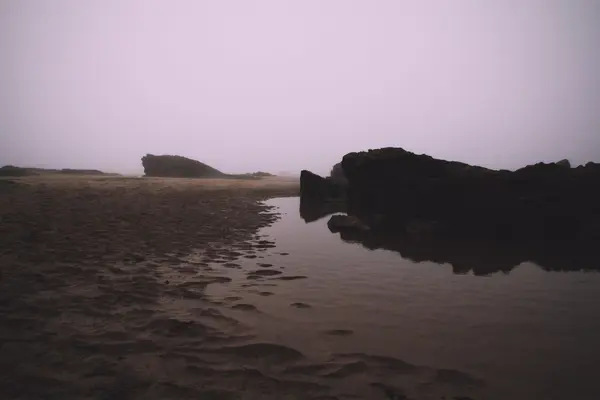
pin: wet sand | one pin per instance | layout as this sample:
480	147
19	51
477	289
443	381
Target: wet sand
99	298
134	288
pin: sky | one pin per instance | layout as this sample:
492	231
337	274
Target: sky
279	85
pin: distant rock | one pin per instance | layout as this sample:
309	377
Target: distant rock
564	163
261	174
177	167
69	171
11	170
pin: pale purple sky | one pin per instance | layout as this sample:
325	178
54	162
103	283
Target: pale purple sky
280	85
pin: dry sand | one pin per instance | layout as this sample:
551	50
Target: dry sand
93	270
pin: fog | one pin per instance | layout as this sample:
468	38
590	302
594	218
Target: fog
279	85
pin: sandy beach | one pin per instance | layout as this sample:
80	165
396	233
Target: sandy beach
93	273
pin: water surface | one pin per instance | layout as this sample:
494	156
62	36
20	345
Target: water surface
528	332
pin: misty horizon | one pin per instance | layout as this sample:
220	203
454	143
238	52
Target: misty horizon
283	86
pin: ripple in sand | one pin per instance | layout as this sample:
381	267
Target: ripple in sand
244	307
300	305
265	294
352	368
339	332
265	272
382	362
267	351
250	256
232	298
174	327
289	278
231	265
264	265
392	392
455	377
265	246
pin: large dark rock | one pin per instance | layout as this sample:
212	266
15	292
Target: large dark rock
178	167
547	201
337	175
313	186
339	223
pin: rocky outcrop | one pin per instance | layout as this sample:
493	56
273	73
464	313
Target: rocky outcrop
546	201
337	175
177	167
313	186
12	171
339	223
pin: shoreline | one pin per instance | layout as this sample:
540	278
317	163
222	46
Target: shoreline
91	270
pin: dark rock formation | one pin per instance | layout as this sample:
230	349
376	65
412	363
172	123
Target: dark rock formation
178	167
313	186
401	189
337	175
70	171
261	174
339	223
11	170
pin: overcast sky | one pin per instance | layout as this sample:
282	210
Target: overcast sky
280	85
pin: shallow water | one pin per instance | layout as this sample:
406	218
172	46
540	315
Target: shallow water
529	333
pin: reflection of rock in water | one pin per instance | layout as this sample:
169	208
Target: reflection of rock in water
482	257
313	210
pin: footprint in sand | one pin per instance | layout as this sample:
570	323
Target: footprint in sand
232	298
264	265
300	305
265	294
284	254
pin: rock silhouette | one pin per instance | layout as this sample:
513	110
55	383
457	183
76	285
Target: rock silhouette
476	219
394	189
13	171
177	167
315	187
